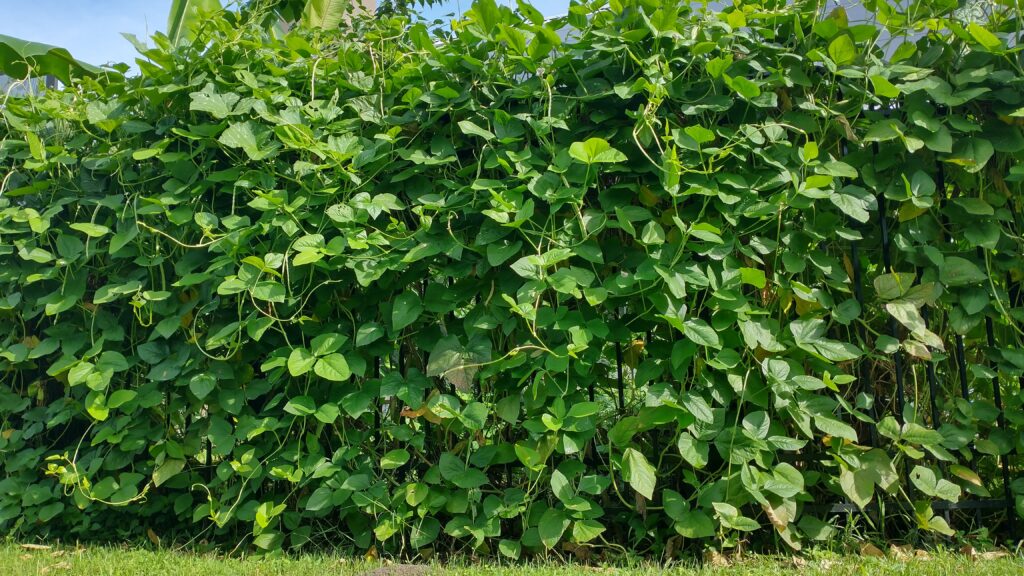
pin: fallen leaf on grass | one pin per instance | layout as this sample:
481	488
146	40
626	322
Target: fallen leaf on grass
869	549
715	558
35	546
582	553
904	552
825	565
993	555
972	553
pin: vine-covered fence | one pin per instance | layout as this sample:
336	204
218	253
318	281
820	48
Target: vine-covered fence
645	277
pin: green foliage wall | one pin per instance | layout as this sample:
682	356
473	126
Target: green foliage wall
645	277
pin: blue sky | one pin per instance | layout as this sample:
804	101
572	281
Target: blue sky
91	29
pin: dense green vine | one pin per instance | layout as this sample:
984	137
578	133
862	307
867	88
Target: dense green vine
643	275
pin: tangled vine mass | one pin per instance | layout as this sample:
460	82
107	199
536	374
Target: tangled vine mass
650	276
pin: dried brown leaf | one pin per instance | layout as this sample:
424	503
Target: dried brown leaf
993	555
715	558
869	549
902	552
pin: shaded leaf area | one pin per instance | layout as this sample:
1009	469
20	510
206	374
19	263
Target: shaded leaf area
643	277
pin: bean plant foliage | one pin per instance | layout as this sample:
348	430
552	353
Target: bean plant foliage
645	277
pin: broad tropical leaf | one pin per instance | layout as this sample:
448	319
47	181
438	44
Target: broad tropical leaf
324	14
186	16
22	58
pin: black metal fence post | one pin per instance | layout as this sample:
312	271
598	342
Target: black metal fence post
997	398
863	380
893	327
618	371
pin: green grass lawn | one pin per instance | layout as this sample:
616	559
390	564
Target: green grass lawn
18	560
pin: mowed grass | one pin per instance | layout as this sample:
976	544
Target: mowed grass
19	560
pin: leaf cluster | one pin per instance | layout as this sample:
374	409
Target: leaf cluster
646	276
